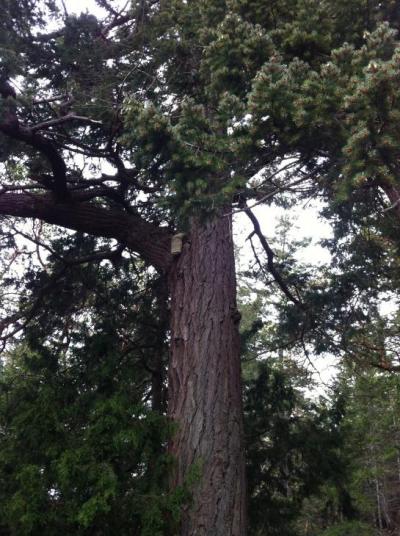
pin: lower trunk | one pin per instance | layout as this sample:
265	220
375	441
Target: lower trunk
204	382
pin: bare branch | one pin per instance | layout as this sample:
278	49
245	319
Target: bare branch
269	195
64	119
64	8
270	257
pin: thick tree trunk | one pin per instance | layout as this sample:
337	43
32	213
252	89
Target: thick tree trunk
204	382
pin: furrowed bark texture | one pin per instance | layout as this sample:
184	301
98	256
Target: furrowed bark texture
204	382
150	241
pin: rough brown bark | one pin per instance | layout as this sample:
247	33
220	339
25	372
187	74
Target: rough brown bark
204	382
153	243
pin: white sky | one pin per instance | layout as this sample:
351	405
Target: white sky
78	6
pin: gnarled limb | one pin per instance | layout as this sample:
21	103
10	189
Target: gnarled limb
150	241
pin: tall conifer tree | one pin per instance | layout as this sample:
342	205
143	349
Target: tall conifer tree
187	102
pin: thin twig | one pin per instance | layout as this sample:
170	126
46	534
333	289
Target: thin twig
60	120
269	195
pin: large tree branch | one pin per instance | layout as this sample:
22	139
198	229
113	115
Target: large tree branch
150	241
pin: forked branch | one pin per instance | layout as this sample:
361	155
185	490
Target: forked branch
270	256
